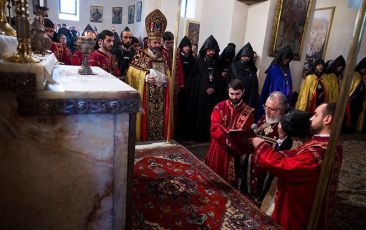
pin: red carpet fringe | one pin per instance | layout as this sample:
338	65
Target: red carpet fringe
172	189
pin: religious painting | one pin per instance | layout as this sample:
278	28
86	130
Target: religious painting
193	31
138	11
96	13
131	14
289	27
116	15
319	33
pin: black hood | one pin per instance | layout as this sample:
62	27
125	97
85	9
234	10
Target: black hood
210	43
228	52
185	42
332	65
88	28
361	64
246	50
284	53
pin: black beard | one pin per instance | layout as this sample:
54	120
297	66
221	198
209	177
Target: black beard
236	101
126	45
318	73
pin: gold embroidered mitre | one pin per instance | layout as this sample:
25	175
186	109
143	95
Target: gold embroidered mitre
155	24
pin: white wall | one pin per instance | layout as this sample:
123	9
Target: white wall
257	25
238	24
84	18
216	20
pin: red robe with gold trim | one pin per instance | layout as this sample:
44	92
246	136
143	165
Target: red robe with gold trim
298	172
257	180
104	61
220	157
62	53
77	58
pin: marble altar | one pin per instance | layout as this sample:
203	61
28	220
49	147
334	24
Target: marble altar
66	150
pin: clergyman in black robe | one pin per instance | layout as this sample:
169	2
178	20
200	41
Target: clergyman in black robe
243	68
203	90
183	124
226	58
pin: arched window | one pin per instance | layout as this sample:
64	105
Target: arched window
68	10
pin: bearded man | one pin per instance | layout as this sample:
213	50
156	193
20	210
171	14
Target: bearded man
124	52
204	89
255	179
229	114
313	89
103	57
298	173
154	90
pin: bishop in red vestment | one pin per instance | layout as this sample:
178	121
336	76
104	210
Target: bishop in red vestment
256	180
102	57
298	172
227	115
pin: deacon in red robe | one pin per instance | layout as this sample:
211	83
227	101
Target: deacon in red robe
298	172
232	114
62	53
102	56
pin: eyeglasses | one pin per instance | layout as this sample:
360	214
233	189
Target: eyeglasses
270	109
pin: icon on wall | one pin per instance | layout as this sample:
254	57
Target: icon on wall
138	11
96	13
116	15
131	14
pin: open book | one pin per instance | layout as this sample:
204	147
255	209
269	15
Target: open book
239	139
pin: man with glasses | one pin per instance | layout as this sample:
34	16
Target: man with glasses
255	181
124	52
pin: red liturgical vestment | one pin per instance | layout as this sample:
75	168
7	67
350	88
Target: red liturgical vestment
220	156
298	173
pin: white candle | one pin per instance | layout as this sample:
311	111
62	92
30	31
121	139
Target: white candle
41	3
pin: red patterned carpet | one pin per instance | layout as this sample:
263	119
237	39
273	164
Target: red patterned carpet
175	190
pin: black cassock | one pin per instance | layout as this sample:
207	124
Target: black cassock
205	74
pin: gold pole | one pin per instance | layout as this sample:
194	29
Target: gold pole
5	28
338	118
24	54
174	64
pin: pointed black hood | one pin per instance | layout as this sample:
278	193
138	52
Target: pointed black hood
127	29
185	42
228	52
332	65
88	28
246	50
210	43
361	64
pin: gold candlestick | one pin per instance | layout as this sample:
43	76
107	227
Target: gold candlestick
5	28
24	48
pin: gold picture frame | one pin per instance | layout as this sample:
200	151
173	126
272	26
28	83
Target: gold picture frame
290	25
319	32
193	31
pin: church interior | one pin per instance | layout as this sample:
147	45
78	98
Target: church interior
69	156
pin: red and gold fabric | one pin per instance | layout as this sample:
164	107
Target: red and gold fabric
62	53
153	123
173	189
220	157
298	172
306	100
332	85
104	61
